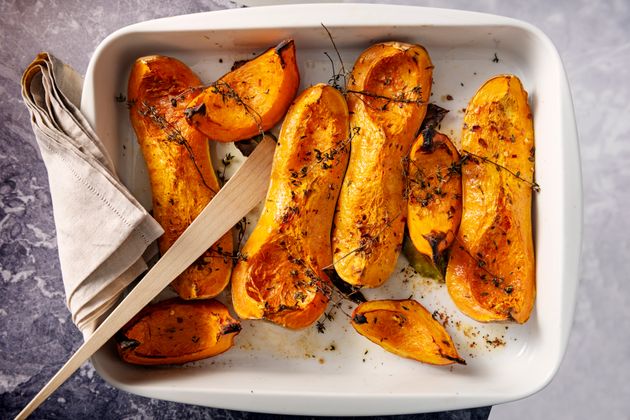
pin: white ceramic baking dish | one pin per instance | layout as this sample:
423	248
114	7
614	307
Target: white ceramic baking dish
280	371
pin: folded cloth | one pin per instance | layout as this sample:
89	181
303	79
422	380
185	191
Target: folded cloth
102	230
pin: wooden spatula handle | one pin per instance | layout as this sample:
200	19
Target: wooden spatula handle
240	194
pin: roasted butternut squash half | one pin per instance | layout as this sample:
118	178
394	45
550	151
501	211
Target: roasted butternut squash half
250	99
387	94
405	328
491	271
176	331
434	196
281	277
182	178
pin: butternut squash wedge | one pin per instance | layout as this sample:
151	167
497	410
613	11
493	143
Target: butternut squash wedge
282	276
387	94
434	196
177	331
250	99
491	272
405	328
182	178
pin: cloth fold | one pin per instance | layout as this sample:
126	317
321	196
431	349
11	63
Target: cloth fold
102	230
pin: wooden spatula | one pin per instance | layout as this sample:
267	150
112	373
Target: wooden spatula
240	194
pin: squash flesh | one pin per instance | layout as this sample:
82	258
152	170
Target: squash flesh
491	273
177	331
282	277
250	99
407	329
435	201
182	178
371	212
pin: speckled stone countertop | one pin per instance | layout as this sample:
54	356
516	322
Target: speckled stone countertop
37	336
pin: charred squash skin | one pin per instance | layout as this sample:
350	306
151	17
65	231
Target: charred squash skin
491	272
250	99
281	278
182	178
435	194
407	329
176	331
372	209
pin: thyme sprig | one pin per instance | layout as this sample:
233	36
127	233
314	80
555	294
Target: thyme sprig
225	161
325	159
241	227
413	96
336	77
173	134
367	241
343	68
226	91
465	153
331	289
237	254
220	87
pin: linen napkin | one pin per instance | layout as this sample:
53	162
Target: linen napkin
102	230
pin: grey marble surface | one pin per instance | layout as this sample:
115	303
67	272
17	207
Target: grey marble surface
37	336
